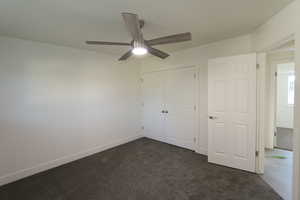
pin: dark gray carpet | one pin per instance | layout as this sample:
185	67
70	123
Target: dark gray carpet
140	170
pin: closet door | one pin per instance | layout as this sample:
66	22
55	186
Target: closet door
153	105
180	102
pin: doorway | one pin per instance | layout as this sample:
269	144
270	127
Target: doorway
285	89
280	94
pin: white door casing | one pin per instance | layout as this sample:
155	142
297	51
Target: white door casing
232	111
261	111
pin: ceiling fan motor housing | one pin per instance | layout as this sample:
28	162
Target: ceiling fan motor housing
139	44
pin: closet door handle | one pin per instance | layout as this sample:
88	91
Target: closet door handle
163	111
166	111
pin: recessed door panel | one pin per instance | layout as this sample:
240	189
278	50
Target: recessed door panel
219	95
241	141
219	138
241	96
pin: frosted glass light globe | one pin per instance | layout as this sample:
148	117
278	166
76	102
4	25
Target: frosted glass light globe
139	51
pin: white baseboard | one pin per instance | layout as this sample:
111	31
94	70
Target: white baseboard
199	150
159	139
60	161
202	151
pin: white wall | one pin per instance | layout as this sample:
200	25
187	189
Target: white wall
199	57
278	28
296	174
58	104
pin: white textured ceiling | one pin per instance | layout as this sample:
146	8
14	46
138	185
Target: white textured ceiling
71	22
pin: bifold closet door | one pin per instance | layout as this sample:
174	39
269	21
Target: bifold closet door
153	105
180	103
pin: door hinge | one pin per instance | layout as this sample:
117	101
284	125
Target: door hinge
142	127
195	107
257	66
195	76
276	74
256	153
195	140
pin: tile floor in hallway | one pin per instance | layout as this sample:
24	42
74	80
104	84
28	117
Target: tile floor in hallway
279	171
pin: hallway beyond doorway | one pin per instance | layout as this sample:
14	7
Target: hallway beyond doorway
278	171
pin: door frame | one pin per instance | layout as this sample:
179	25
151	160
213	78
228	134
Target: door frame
261	59
273	64
296	147
197	99
263	63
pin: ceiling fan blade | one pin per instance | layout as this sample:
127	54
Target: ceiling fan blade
171	39
126	55
133	26
108	43
157	52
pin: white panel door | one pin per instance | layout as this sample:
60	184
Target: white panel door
232	111
153	105
180	102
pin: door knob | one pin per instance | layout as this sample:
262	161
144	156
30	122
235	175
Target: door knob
162	111
166	111
212	117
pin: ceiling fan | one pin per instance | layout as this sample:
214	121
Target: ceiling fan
140	46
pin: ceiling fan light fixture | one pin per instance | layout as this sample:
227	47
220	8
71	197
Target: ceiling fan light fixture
139	51
139	48
138	45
